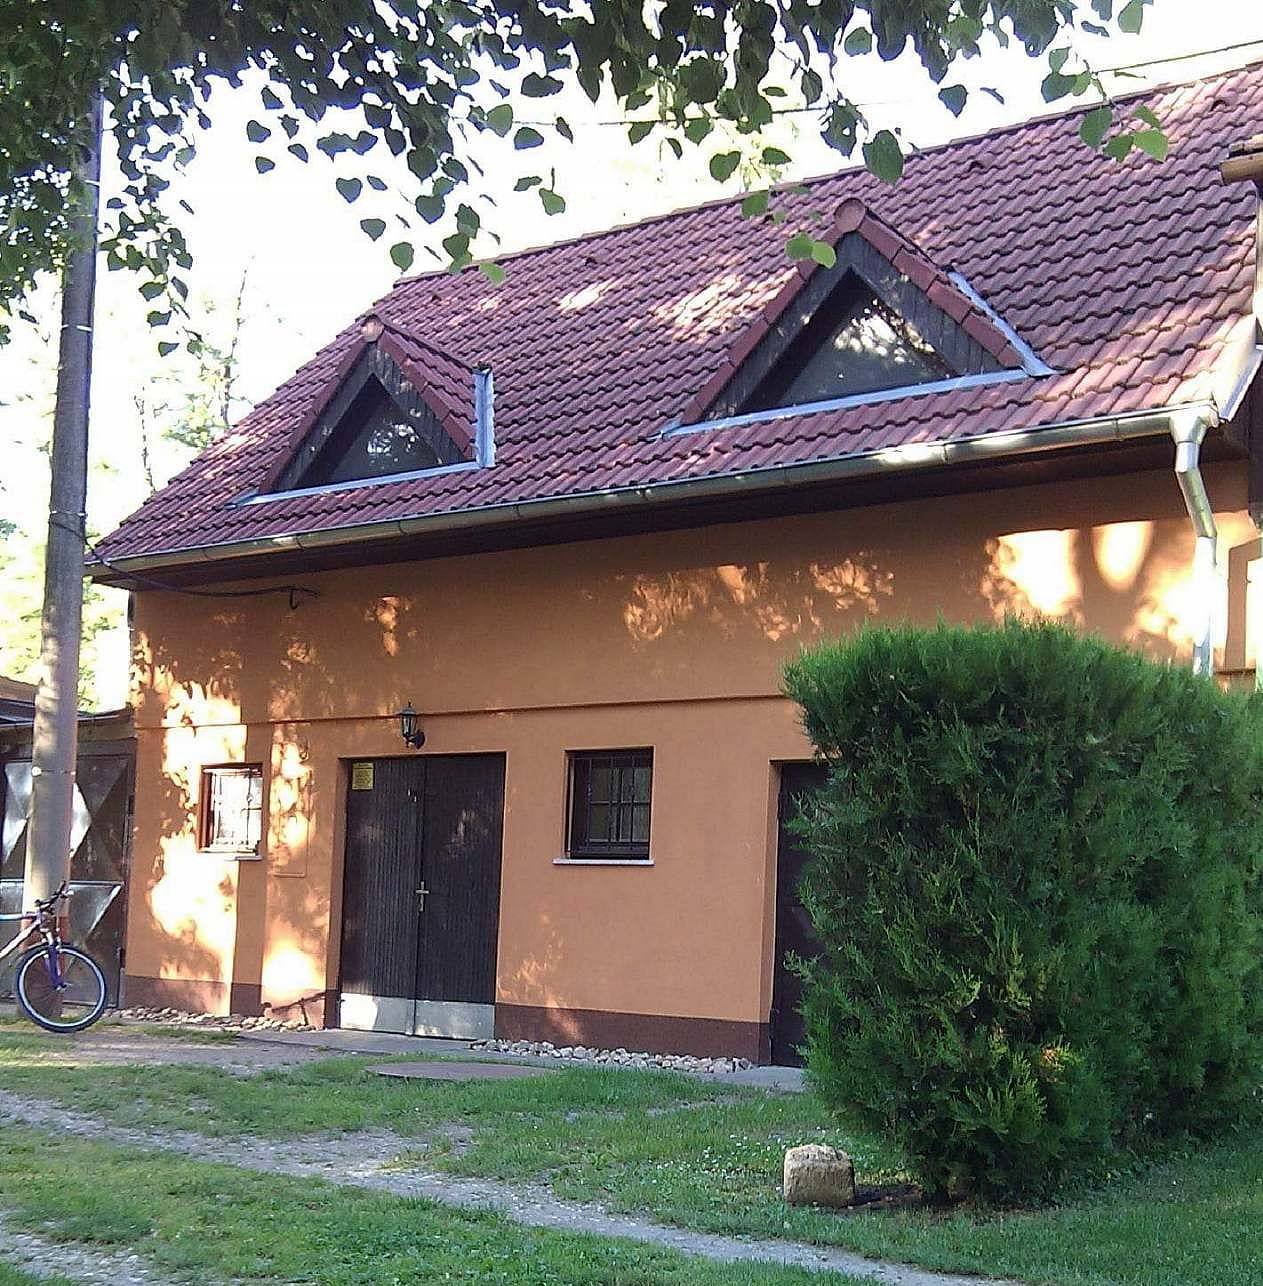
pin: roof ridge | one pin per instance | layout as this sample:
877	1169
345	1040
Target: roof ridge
853	167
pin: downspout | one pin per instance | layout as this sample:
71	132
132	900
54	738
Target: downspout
1245	165
1188	428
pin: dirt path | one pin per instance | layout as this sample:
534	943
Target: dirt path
43	1257
114	1044
364	1160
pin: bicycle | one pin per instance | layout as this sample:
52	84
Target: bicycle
57	986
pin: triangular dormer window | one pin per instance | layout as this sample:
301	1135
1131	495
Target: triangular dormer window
397	408
883	321
857	345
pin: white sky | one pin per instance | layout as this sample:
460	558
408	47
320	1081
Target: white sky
311	269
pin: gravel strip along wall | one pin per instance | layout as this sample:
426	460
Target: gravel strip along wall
361	1160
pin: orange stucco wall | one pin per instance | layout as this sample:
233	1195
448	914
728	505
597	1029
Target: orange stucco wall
672	640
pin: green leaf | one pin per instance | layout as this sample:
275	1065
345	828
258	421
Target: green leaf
859	41
157	318
774	156
378	185
1132	16
457	245
1148	115
166	348
755	204
1118	147
349	189
527	137
264	163
401	255
698	128
800	246
723	165
954	98
1056	86
430	208
493	272
270	99
1095	125
537	86
824	254
1152	141
526	182
884	157
257	132
500	119
639	130
552	202
563	128
374	227
298	150
151	290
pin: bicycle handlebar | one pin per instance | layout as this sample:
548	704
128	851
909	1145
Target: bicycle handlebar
46	904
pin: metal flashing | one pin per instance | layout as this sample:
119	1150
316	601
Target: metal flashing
1032	363
355	484
844	403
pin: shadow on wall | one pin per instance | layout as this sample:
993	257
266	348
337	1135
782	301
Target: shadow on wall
700	595
204	918
1127	580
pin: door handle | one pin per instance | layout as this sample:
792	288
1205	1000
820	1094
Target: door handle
422	894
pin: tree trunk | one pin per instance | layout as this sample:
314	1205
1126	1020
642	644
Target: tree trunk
56	729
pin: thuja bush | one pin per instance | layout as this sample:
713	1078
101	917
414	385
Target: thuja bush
1036	878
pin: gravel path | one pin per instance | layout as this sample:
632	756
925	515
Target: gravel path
364	1160
43	1257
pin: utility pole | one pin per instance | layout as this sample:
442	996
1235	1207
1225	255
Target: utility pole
56	731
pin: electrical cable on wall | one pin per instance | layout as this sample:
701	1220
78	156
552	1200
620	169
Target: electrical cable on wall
297	593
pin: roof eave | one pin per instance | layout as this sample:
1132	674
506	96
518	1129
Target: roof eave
914	456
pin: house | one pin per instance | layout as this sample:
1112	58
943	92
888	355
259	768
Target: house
486	733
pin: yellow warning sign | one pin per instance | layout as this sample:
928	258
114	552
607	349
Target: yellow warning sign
361	776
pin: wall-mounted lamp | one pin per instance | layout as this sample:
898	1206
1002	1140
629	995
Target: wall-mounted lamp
410	727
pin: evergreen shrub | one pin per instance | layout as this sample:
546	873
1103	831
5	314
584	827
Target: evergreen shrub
1036	878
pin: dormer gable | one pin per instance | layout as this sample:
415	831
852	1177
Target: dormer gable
882	321
397	407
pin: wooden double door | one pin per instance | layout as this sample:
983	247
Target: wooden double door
421	895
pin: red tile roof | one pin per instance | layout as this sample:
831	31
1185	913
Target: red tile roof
1133	281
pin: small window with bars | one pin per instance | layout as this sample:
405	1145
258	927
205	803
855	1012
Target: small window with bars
232	809
610	794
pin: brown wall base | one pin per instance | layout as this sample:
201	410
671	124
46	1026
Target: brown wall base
199	996
193	995
647	1033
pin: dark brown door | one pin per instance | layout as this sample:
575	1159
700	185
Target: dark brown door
383	864
793	928
421	904
460	871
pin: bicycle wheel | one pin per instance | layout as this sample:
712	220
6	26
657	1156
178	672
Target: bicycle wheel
76	1004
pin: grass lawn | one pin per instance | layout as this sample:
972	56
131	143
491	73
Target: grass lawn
701	1154
212	1222
13	1277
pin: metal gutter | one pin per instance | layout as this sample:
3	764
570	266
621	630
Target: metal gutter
911	457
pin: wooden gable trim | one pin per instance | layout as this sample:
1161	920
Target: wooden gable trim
856	259
371	363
